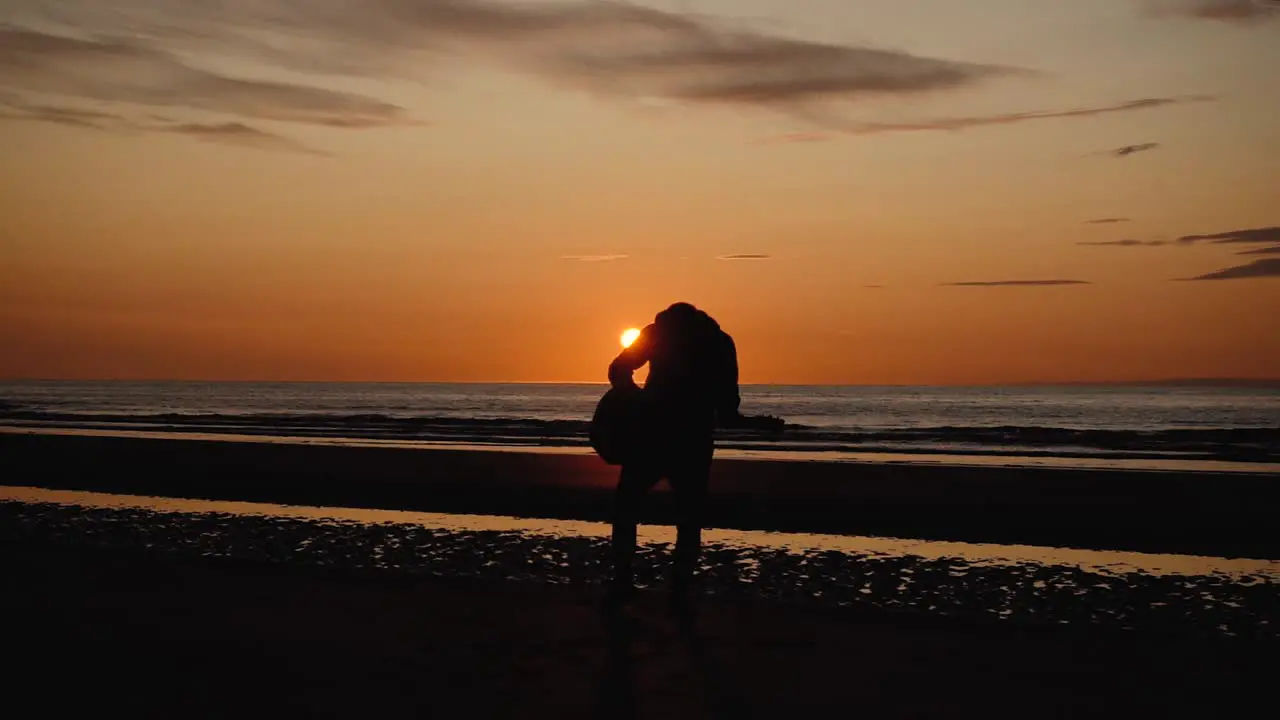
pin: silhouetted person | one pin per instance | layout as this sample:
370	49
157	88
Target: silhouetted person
692	387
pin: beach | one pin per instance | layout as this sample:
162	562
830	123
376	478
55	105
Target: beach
488	602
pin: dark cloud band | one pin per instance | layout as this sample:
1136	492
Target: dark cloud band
232	133
1016	283
1262	268
1127	243
117	70
1264	235
1238	11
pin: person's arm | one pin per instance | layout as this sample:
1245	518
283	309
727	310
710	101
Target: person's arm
728	399
631	359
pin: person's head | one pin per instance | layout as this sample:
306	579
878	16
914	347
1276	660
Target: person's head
685	316
679	311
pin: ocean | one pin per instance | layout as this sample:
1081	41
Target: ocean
1186	428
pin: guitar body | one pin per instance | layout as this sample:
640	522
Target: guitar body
618	425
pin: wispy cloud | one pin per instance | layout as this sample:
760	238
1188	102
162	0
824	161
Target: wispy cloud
129	71
1107	220
607	47
1265	267
964	123
1016	283
1241	11
1127	150
799	137
1126	243
1264	235
1274	250
235	133
745	256
69	116
594	258
603	46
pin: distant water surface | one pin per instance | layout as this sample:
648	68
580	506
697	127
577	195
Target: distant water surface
1160	426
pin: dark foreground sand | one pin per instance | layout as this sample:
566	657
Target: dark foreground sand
151	633
97	631
1226	515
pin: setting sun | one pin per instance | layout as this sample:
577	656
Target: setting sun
629	336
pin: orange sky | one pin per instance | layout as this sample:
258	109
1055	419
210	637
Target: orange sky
465	190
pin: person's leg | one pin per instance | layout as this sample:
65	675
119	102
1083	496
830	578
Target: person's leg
689	483
633	483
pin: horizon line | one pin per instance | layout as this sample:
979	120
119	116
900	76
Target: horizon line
1266	381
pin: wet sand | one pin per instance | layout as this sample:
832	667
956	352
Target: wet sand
1192	596
101	630
1227	515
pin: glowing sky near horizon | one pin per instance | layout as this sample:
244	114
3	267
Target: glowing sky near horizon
888	191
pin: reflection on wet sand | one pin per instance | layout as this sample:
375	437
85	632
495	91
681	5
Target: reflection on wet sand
758	452
1129	590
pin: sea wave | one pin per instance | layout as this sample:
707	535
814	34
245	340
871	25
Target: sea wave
1252	444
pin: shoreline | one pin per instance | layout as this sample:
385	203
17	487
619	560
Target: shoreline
1217	514
1265	383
